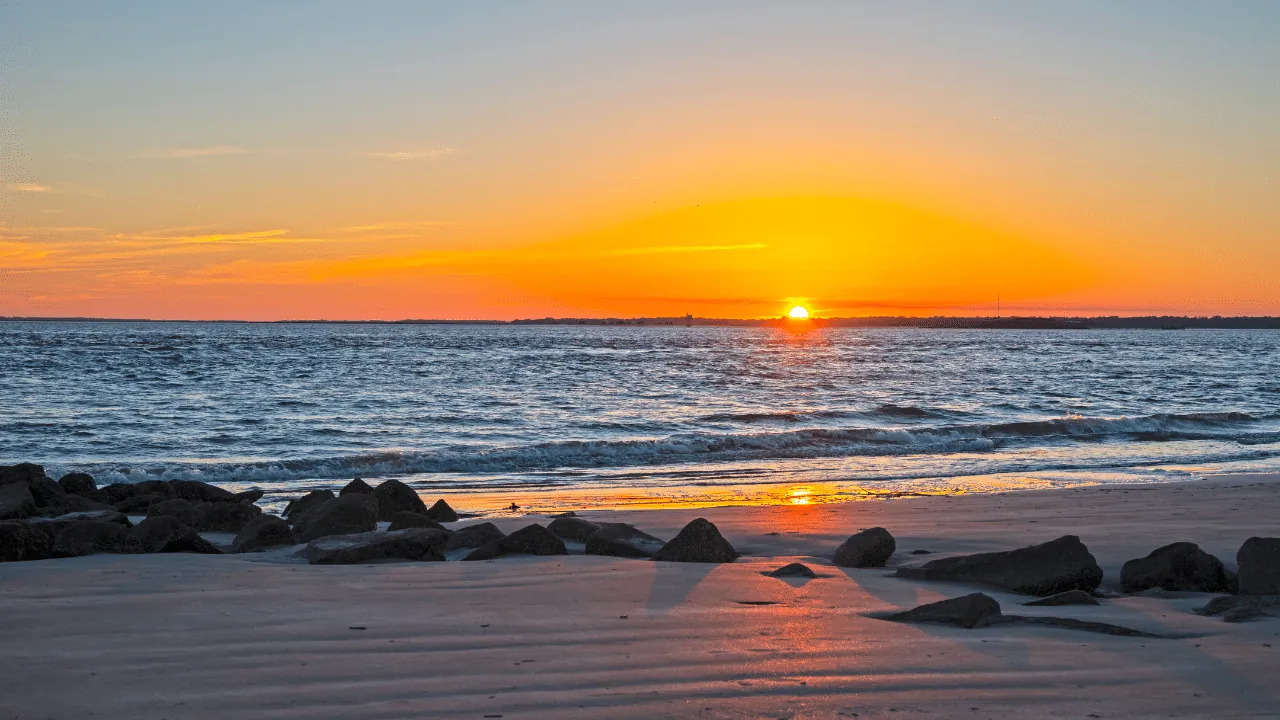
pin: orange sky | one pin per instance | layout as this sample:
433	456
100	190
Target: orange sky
586	161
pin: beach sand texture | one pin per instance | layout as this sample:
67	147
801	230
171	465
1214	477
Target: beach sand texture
263	636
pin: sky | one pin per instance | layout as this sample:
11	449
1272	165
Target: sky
390	160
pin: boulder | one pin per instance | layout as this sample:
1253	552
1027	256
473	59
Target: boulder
262	532
299	506
249	496
59	523
20	541
1242	606
414	544
78	483
572	528
1259	565
441	512
94	536
699	541
1045	569
529	540
139	504
194	491
394	496
1070	597
225	516
969	611
345	515
165	534
47	493
115	492
622	540
16	501
404	520
80	503
357	486
867	549
473	536
798	570
184	511
1180	566
20	473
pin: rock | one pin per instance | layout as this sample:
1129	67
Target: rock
921	552
1070	597
572	528
441	512
249	496
20	541
474	536
867	549
622	540
394	496
299	506
165	534
1180	566
116	492
1045	569
1085	625
262	532
47	493
194	491
139	503
225	516
62	521
93	536
404	520
529	540
970	611
16	501
1259	565
1243	614
356	486
80	503
184	511
345	515
1245	604
20	473
799	570
413	544
699	541
78	483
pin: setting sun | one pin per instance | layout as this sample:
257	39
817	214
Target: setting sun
798	313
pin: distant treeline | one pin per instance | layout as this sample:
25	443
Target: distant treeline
1150	322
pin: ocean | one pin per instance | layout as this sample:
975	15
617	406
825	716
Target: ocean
555	417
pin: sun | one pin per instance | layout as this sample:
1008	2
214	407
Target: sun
798	313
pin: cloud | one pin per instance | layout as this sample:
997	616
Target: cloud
30	188
411	155
197	152
687	249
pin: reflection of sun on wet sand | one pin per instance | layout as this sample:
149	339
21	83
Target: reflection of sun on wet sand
261	635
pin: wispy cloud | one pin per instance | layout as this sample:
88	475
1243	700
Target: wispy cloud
30	188
194	152
687	249
411	155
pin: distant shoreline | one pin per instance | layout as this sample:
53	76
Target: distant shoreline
1147	322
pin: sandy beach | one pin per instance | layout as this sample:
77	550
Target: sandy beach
263	635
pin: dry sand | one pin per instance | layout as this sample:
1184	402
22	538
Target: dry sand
260	636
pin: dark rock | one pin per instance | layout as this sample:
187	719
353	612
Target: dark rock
414	544
1243	614
1259	564
404	520
799	570
139	503
78	483
356	486
970	611
1086	625
345	515
165	534
262	532
20	541
92	536
249	496
572	528
1045	569
47	493
299	506
529	540
394	496
474	536
699	541
194	491
1245	604
1070	597
20	473
80	503
116	492
622	540
184	511
225	516
867	549
921	552
1180	566
60	522
441	512
16	501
